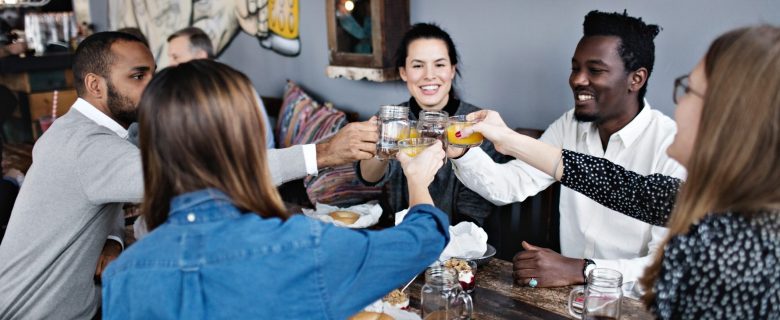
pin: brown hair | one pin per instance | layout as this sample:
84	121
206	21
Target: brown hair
735	161
200	127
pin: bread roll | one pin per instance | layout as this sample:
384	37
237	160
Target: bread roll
345	217
365	315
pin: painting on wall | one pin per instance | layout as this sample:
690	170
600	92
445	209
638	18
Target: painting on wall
274	22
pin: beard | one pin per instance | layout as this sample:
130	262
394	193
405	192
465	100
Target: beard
122	108
584	117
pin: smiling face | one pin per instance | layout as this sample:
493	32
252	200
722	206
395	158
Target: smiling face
599	80
131	70
688	116
428	73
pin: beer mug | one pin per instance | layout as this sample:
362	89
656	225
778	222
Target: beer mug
601	297
458	123
393	123
433	124
442	297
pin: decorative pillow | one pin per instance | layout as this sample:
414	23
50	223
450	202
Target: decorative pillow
296	105
303	120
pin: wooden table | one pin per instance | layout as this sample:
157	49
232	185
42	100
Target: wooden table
497	297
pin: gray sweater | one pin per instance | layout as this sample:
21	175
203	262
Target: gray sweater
72	197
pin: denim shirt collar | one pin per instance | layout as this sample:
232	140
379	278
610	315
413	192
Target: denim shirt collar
207	205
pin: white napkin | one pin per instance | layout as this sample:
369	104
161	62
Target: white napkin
467	240
369	214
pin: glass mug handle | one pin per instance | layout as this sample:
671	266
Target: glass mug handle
573	295
467	303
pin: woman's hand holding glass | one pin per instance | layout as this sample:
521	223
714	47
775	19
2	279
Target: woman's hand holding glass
491	126
421	169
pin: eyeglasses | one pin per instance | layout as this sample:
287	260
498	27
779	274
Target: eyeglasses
682	87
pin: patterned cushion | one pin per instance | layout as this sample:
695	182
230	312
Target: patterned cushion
303	120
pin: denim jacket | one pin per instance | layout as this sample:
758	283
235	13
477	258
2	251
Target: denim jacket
210	261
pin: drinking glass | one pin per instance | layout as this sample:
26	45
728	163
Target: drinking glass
433	124
602	295
458	123
442	297
413	132
466	271
413	146
393	126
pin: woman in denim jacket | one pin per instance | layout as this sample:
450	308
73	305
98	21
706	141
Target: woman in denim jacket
222	244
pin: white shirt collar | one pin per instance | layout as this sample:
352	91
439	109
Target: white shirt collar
631	131
89	111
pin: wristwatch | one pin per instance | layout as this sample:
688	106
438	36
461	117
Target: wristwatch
589	265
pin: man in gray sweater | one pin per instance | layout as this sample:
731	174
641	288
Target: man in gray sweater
84	169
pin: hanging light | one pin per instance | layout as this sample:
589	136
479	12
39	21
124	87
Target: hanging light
349	5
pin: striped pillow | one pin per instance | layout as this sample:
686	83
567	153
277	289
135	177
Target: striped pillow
303	120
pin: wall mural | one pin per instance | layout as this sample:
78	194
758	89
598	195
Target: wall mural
274	22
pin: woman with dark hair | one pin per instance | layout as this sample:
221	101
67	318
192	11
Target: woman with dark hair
427	61
720	257
222	245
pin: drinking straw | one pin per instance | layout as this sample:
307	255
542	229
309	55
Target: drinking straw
54	105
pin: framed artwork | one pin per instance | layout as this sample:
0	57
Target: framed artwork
363	35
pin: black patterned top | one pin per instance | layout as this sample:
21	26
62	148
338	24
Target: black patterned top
726	267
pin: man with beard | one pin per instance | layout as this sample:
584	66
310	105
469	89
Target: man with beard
83	171
610	119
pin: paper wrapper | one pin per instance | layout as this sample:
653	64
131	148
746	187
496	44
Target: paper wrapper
369	214
467	240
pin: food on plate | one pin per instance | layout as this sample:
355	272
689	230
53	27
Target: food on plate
345	217
465	273
397	299
366	315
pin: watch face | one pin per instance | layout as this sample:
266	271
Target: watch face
588	269
589	265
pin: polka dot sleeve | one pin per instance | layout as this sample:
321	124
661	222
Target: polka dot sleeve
647	198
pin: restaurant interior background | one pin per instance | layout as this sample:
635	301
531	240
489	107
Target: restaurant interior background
515	58
515	53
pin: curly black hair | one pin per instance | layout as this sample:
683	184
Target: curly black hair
636	47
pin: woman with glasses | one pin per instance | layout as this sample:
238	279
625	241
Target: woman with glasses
222	245
720	259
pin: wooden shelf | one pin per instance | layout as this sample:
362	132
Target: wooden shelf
357	73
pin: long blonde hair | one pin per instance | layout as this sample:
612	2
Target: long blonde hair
735	161
200	127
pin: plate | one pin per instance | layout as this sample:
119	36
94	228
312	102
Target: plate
489	253
396	313
399	314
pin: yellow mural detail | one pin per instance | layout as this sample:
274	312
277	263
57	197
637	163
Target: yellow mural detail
283	18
